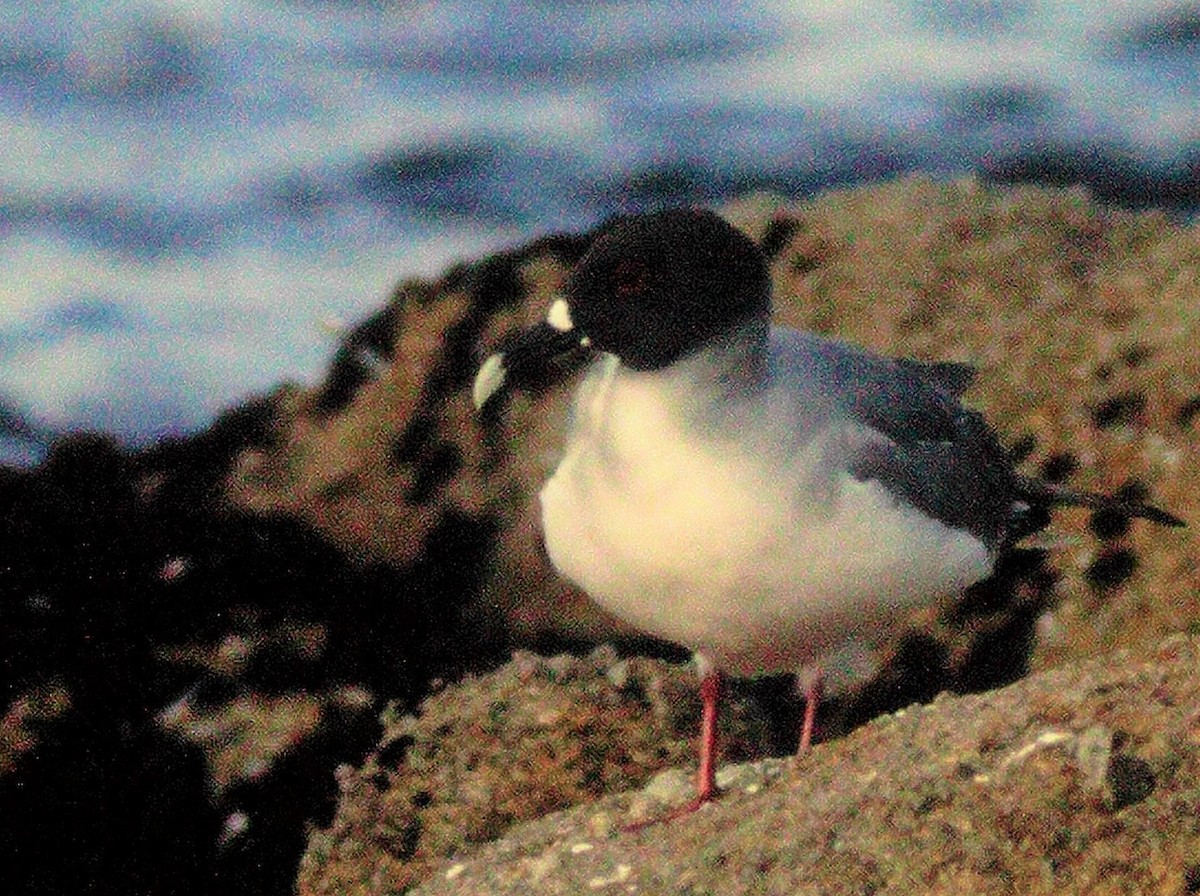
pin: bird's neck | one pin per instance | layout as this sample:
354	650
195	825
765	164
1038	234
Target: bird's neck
732	365
728	371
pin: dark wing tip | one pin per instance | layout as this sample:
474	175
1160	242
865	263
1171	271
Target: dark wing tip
1038	491
1155	515
953	376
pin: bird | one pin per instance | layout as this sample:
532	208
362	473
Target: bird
774	500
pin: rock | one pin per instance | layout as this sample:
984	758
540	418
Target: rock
1079	321
1076	316
375	533
535	736
988	793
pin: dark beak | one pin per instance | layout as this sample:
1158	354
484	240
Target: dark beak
528	354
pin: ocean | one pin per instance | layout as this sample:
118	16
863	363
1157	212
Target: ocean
197	198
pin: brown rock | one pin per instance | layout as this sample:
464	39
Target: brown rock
988	793
1081	322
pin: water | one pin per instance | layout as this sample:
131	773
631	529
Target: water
196	196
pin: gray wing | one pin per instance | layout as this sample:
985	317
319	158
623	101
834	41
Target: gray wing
935	454
901	398
952	376
938	456
966	481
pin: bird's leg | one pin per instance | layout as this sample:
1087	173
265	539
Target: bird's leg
706	777
710	696
811	681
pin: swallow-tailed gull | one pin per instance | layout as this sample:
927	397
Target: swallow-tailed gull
772	499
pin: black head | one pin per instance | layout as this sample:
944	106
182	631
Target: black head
651	289
654	288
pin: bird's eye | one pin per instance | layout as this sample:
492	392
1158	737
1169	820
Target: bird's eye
631	278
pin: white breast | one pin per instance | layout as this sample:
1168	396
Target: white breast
746	538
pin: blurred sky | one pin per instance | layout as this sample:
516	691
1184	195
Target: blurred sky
195	195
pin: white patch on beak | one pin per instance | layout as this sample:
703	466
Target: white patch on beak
559	316
488	380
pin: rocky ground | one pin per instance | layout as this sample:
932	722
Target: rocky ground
1083	779
1084	348
195	636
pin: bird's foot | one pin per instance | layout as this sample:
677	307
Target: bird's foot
674	814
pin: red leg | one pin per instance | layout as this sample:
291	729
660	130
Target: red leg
811	680
710	697
706	777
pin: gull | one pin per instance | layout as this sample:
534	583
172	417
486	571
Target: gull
772	499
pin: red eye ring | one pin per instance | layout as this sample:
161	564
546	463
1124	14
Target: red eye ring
631	278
